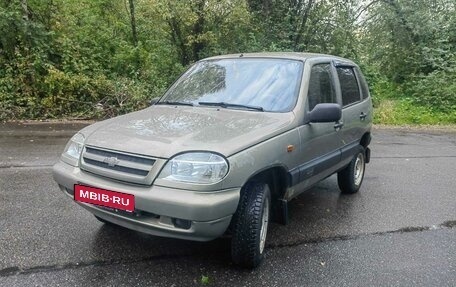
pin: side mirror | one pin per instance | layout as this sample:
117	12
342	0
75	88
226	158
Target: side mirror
154	101
325	113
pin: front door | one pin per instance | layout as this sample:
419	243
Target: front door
320	142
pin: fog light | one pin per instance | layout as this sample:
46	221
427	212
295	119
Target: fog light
182	223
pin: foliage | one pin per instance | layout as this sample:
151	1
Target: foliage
205	280
100	58
401	112
412	45
436	90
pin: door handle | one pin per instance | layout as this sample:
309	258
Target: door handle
338	125
362	116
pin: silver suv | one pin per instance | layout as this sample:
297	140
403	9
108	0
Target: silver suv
233	140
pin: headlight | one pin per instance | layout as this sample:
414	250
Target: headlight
74	146
195	167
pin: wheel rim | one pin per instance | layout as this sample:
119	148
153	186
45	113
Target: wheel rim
359	169
264	225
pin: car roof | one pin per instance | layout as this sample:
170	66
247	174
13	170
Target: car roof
282	55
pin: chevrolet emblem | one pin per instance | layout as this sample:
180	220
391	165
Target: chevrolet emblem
111	161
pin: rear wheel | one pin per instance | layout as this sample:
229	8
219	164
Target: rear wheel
250	225
351	177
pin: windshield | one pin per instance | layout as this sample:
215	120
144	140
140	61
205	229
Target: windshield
262	84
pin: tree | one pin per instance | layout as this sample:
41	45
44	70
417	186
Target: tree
134	33
200	28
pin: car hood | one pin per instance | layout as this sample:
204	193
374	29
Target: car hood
163	131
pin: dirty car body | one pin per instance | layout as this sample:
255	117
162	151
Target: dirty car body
234	130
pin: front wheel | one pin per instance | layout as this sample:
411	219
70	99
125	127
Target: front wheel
351	177
250	225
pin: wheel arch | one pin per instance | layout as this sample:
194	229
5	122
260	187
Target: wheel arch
365	139
364	142
277	178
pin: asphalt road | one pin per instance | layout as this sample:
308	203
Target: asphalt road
399	230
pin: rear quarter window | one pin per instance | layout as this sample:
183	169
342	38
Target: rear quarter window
363	84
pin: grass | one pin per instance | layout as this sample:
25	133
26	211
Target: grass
205	280
403	112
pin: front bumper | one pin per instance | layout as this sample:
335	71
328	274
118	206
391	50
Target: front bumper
157	207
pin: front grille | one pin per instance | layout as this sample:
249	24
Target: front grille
117	165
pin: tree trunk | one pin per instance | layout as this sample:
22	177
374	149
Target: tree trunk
198	29
26	18
302	25
178	41
133	23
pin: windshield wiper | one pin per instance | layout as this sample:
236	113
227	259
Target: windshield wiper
228	105
175	103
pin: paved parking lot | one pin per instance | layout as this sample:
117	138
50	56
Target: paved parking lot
399	230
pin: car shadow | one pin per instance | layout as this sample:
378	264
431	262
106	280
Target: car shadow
127	245
314	215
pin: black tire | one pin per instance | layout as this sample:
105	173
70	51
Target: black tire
351	177
247	248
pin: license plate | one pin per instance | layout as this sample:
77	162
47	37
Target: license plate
103	197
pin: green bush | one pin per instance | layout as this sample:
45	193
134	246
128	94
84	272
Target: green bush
81	96
59	94
436	91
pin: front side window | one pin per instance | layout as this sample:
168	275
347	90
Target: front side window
270	84
348	85
321	86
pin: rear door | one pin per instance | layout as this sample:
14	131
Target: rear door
355	108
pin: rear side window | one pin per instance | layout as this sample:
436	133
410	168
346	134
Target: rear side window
321	86
348	85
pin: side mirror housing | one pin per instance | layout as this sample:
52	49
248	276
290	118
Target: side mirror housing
325	113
